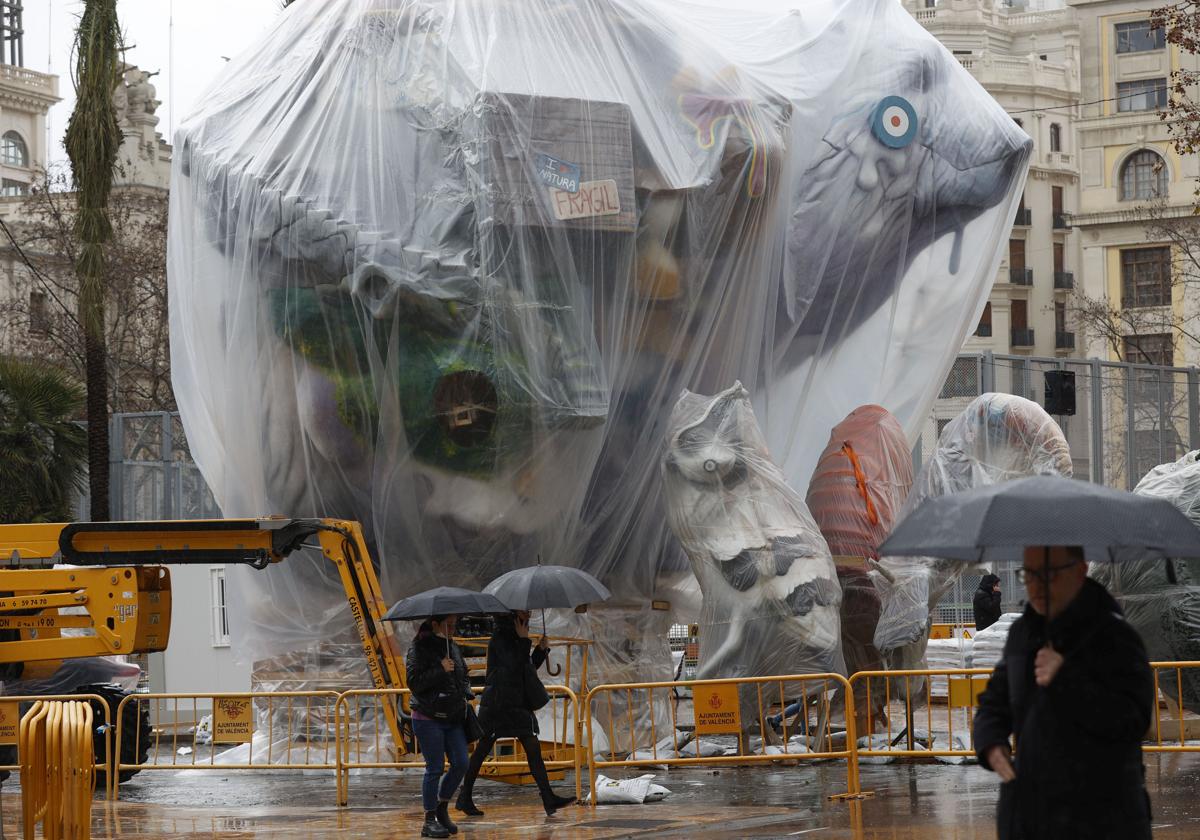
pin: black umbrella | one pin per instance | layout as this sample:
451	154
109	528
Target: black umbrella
999	521
539	587
444	600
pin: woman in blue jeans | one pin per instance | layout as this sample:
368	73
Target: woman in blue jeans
437	678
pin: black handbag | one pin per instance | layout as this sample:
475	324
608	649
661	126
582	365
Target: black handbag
471	727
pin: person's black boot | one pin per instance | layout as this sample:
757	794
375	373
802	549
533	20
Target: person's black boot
551	801
466	804
433	828
443	817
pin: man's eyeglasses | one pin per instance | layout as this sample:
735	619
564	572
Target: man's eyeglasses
1041	574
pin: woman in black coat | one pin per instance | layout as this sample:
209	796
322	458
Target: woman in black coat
511	695
441	689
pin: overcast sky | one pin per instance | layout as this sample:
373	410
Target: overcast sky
204	30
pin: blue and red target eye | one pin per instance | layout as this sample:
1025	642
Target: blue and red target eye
894	122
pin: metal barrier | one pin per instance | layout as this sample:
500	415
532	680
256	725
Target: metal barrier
10	718
57	771
300	733
1187	728
719	707
887	692
363	743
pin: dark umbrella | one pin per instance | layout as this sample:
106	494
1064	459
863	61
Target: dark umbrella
539	587
999	521
444	600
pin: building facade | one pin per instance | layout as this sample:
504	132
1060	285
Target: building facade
1028	61
1131	177
199	657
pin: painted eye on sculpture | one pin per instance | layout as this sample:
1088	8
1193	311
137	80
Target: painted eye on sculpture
894	122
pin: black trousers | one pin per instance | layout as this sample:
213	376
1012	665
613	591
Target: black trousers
533	752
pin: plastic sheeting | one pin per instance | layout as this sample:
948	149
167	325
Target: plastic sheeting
860	483
444	266
997	438
771	596
1162	600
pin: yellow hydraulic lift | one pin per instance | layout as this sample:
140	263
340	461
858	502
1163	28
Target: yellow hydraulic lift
125	587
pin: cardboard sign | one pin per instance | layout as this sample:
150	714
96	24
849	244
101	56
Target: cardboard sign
717	709
10	721
233	720
558	173
964	691
595	198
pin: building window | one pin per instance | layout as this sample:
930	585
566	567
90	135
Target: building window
1152	349
39	314
1055	137
13	151
1139	37
1018	122
984	330
220	615
1016	253
9	187
1060	316
1142	95
1145	277
1144	175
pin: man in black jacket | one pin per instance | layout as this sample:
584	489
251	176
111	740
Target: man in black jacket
987	602
1077	692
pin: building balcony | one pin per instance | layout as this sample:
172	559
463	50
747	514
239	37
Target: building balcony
1064	280
1062	221
1063	340
983	331
1060	160
1022	337
21	81
1020	276
1024	217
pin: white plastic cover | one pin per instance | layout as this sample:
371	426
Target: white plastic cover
771	596
1161	600
997	438
443	266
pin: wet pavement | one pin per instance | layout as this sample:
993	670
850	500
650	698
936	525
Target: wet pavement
911	801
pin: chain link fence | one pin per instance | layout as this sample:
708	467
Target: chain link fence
1128	418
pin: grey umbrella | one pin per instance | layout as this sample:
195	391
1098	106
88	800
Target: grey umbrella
999	521
539	587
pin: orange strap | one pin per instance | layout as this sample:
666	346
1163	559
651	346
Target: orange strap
861	479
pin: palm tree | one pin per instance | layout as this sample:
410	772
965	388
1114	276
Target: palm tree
93	140
42	449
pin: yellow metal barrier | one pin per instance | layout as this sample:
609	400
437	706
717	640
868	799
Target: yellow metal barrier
57	769
900	693
717	708
300	731
1178	725
10	718
363	745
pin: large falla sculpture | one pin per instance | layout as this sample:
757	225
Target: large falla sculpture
444	267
